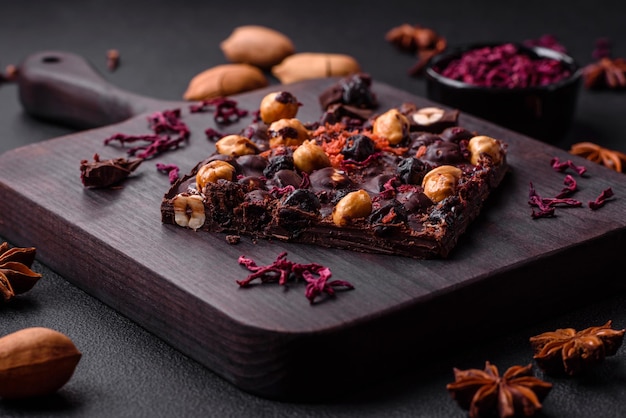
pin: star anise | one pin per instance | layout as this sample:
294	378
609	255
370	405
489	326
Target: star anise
485	393
16	277
593	152
425	42
570	352
605	73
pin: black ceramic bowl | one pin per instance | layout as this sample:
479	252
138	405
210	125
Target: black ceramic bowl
542	112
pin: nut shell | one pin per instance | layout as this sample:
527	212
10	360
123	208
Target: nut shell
257	45
35	361
310	65
224	80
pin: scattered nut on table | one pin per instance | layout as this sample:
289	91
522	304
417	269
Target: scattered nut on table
225	80
35	361
257	45
310	65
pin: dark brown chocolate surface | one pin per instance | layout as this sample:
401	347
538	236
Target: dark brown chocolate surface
271	198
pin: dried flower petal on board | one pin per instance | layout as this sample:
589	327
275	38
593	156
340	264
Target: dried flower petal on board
487	394
172	171
601	200
566	351
16	276
169	133
106	173
282	270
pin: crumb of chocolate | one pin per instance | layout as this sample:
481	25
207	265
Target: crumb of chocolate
106	173
113	59
233	239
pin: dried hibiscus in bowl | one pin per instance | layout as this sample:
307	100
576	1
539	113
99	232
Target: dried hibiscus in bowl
505	66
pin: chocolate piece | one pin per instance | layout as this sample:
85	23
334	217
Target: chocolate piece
271	198
429	119
106	173
354	90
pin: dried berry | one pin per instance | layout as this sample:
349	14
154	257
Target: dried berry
358	147
303	199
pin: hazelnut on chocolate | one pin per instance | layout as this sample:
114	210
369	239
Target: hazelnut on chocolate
278	105
441	182
392	125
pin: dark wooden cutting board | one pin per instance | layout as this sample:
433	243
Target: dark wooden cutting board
507	270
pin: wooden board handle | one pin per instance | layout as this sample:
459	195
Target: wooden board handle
64	88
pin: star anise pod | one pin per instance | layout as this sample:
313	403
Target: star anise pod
593	152
425	42
16	277
605	73
485	393
570	352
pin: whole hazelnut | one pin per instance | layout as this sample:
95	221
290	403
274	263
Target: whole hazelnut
278	105
309	156
287	132
354	205
481	144
212	172
441	182
392	125
236	145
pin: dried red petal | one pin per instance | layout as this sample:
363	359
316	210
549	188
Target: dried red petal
504	66
282	270
601	199
169	133
171	170
561	166
226	110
